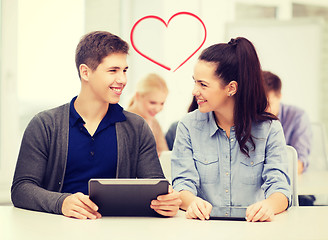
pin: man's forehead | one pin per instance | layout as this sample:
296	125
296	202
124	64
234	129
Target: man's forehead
116	60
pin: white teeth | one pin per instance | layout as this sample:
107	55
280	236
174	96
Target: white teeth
117	89
200	101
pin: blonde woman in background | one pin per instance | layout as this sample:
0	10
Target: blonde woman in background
149	99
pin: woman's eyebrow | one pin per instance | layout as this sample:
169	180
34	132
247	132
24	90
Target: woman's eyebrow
199	80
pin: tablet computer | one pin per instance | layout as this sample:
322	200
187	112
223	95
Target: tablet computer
228	213
126	197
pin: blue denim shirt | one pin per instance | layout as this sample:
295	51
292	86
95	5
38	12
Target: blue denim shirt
210	165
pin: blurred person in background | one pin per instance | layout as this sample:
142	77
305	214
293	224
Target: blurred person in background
147	102
295	123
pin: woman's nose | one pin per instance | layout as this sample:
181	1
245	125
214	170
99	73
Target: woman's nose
195	91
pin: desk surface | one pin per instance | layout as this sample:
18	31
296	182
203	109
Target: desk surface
313	183
296	223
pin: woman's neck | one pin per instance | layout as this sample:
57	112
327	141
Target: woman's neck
225	120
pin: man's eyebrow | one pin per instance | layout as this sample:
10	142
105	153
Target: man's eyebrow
116	67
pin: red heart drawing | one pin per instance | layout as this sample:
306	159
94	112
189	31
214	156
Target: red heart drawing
166	25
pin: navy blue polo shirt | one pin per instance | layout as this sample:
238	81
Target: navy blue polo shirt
91	156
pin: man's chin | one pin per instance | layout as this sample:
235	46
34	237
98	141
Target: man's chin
113	101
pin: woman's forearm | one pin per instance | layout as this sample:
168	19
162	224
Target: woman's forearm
278	201
186	198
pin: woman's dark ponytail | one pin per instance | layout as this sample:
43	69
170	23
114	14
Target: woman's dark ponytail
238	61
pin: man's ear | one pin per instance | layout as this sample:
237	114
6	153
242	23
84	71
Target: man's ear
84	72
232	88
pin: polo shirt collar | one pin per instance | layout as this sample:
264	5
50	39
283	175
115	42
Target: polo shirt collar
114	114
74	117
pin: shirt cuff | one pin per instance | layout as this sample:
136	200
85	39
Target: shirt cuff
185	186
283	191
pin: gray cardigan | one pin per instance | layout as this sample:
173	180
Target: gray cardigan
41	163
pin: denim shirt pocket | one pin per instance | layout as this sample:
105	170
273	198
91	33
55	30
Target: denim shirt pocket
207	167
251	169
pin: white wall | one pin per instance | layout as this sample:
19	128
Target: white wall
48	32
39	38
8	100
47	39
292	50
103	15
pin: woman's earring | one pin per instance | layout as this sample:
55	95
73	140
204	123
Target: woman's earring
229	94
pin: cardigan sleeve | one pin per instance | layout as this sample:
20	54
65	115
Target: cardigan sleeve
28	189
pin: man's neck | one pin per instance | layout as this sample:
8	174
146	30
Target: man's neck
92	111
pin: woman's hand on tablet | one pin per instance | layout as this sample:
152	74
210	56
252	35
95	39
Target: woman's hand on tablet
168	204
260	212
266	209
199	208
80	206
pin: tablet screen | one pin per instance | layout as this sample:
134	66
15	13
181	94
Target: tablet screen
126	197
228	213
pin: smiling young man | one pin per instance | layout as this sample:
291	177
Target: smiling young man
90	137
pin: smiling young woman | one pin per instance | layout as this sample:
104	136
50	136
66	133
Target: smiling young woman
230	152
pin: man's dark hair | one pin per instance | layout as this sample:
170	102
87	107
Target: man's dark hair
271	82
95	46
